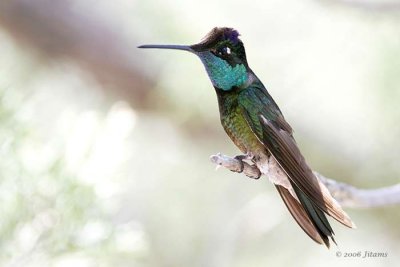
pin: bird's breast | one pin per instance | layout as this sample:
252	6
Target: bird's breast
239	131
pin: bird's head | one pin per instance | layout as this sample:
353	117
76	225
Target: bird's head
223	55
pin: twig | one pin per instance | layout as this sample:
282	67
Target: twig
347	195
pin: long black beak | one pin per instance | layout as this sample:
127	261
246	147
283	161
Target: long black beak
175	47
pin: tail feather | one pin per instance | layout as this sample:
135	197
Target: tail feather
316	215
308	215
299	214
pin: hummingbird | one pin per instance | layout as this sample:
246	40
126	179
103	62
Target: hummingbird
255	124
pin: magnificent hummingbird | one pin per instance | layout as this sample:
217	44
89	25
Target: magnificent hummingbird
254	122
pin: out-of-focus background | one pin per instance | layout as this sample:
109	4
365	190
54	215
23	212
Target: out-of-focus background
105	148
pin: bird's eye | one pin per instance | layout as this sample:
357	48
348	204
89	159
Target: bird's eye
224	51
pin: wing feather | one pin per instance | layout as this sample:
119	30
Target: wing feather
267	122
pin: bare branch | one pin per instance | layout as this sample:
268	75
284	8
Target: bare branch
347	195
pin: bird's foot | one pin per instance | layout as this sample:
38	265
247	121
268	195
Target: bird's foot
247	156
243	165
240	158
255	173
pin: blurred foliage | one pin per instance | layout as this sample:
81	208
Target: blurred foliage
105	160
46	210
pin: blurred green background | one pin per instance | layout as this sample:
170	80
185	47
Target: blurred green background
105	148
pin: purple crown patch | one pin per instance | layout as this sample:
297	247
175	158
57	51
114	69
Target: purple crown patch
232	35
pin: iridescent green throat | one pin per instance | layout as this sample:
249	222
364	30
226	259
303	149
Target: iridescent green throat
222	74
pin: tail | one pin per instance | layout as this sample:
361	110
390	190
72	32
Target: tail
309	217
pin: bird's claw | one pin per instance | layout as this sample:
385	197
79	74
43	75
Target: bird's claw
247	156
240	158
250	157
255	177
